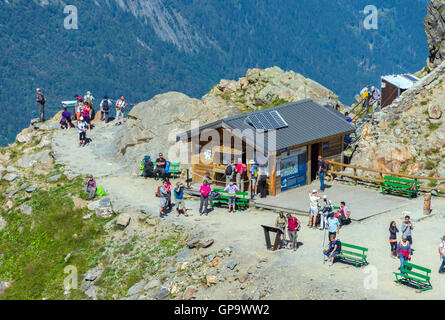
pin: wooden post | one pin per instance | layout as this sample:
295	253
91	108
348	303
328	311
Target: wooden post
355	176
427	204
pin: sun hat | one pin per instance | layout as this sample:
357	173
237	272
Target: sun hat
325	197
81	118
314	191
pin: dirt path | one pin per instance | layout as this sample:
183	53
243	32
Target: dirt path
285	274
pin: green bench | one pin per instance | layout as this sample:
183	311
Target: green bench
400	186
420	277
356	254
242	199
173	170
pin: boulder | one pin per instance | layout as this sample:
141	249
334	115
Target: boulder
123	219
136	288
54	178
102	207
28	161
434	111
26	209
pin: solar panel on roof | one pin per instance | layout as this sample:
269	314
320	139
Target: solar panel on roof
264	122
409	77
255	122
267	120
279	119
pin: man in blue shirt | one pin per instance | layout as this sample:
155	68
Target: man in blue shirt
179	196
333	225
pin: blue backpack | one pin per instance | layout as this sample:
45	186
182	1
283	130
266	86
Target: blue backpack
167	167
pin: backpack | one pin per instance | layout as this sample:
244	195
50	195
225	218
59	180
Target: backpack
338	242
43	100
253	171
214	195
167	167
229	170
101	192
326	166
105	106
413	187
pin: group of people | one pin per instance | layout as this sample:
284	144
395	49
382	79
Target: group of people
371	97
258	177
321	213
292	224
165	194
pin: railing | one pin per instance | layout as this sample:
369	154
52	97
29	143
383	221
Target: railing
332	172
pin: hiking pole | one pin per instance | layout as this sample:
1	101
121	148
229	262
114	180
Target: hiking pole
324	241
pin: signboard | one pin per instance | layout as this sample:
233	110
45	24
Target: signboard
293	169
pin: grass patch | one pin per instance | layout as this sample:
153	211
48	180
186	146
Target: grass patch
429	165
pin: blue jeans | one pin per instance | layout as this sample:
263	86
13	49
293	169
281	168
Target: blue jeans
321	177
402	259
442	266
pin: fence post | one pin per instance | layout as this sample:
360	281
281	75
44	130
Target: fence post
355	176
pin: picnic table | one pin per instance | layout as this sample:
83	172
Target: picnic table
242	199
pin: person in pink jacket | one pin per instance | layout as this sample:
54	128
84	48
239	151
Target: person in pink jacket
205	191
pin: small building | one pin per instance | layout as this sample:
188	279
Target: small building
392	86
286	139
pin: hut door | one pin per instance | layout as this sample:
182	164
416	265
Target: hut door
315	151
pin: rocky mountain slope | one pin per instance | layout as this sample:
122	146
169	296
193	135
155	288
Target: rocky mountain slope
409	135
435	30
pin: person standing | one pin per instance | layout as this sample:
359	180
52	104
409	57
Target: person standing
293	224
325	210
179	200
121	104
231	189
89	98
205	191
333	225
82	127
442	255
407	227
403	251
169	194
40	99
314	210
253	179
105	109
86	115
229	172
393	239
91	187
207	177
263	173
163	195
322	169
240	169
79	107
281	223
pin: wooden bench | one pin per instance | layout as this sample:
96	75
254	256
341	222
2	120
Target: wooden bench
242	199
420	277
356	254
399	186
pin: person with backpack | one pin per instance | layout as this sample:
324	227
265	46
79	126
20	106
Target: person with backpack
231	189
393	239
322	170
253	179
325	210
281	223
442	255
105	109
65	121
40	99
333	249
229	172
293	225
205	191
121	104
82	127
179	200
147	168
240	170
343	214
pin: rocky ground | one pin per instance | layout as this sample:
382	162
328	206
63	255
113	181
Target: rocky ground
222	256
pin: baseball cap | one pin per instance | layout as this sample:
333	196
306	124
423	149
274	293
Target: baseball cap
314	191
81	118
325	197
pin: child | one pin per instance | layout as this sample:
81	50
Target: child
232	189
86	115
82	126
179	196
169	194
393	239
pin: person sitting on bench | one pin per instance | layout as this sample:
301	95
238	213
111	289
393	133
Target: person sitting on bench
160	166
343	214
333	249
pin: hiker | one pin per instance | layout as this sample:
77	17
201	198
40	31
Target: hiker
65	122
160	166
263	174
205	191
325	210
88	98
407	226
169	194
40	99
343	214
442	255
348	118
313	212
393	239
333	249
82	127
231	189
207	177
376	95
86	115
91	187
162	194
333	225
229	172
79	107
404	251
281	223
120	109
293	224
179	199
365	94
240	169
322	169
253	179
105	109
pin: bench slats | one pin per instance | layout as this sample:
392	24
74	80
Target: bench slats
343	244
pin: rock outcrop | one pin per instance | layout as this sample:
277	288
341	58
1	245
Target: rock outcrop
409	135
272	86
435	30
